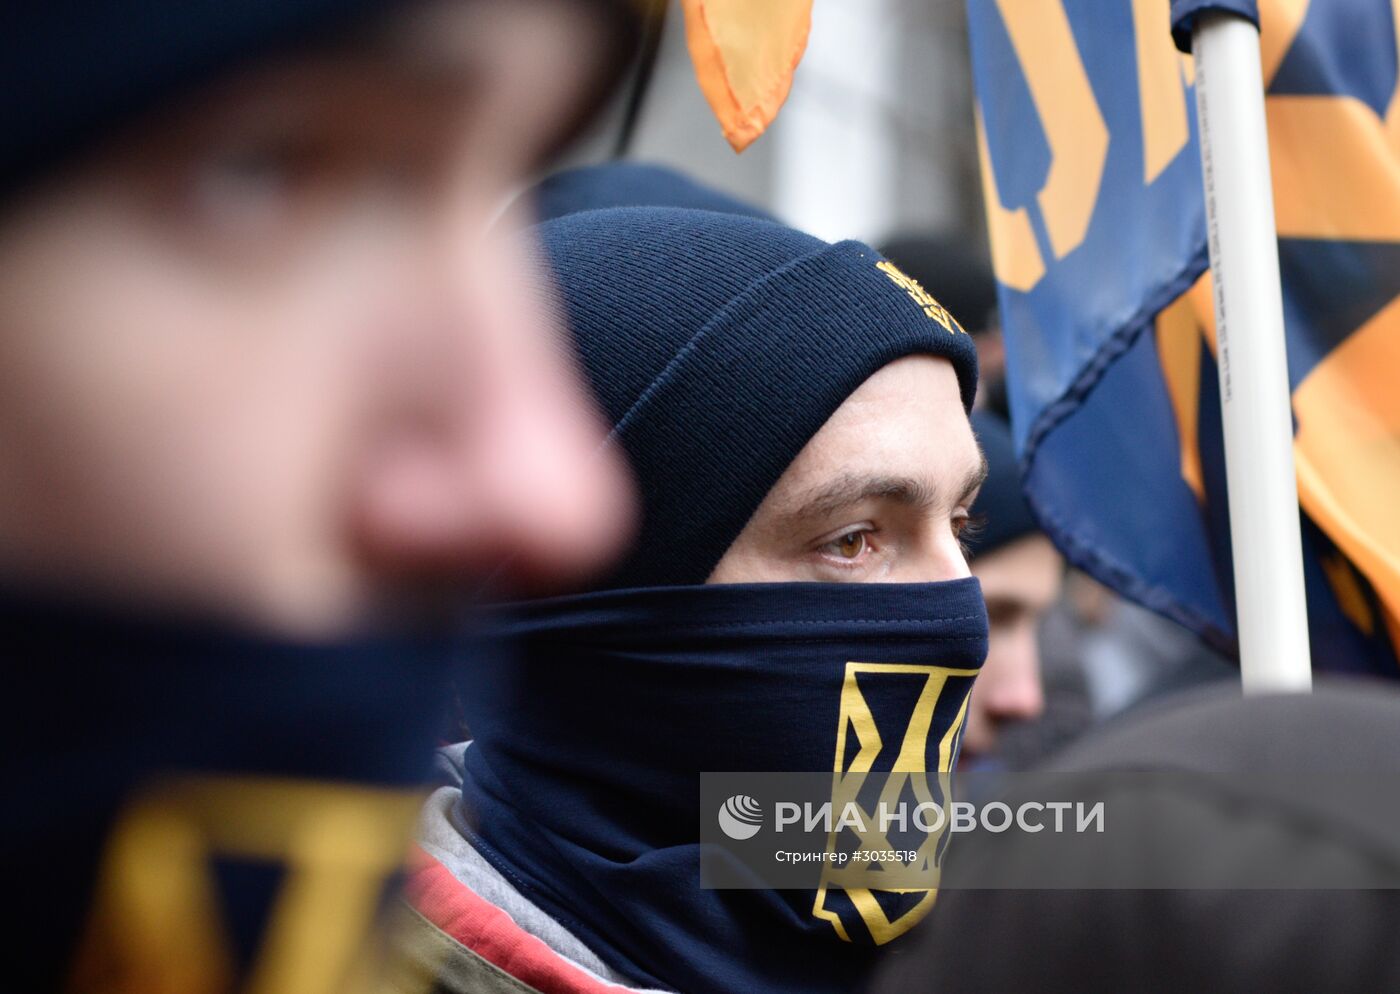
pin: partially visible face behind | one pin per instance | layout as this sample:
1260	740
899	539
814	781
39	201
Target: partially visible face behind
1020	582
259	357
879	494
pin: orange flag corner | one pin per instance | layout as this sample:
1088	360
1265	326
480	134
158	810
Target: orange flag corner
745	54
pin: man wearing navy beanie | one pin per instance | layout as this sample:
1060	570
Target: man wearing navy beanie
795	417
718	346
269	409
1021	574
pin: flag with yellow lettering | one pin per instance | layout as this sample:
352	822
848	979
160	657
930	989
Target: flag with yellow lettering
1091	170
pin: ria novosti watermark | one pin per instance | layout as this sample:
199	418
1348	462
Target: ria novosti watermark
930	817
893	831
868	830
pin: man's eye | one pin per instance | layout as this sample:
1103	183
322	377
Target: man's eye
849	546
966	527
258	167
244	189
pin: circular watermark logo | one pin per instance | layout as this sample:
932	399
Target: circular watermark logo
741	817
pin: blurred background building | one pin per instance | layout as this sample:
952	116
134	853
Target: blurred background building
876	137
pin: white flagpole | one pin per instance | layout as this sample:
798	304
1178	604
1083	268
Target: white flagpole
1270	603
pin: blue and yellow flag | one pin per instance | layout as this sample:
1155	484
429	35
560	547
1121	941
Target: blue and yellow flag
1091	169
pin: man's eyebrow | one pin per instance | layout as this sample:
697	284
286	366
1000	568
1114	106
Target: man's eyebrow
852	488
973	482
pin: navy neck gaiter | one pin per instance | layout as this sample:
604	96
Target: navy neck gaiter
186	804
583	779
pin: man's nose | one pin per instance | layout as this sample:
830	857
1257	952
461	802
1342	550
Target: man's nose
935	557
490	463
943	557
1012	690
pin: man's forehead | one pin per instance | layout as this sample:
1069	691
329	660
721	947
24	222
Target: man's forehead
436	33
1025	572
561	55
927	476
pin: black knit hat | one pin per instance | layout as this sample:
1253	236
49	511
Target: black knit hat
629	184
717	346
1231	819
1000	505
71	72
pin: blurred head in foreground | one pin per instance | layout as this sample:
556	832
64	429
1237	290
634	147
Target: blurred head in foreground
267	390
1021	574
260	358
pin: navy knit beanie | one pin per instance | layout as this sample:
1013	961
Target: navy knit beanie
718	345
629	184
1000	503
71	72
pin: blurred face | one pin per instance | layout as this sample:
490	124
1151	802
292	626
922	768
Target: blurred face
880	494
1020	582
259	357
